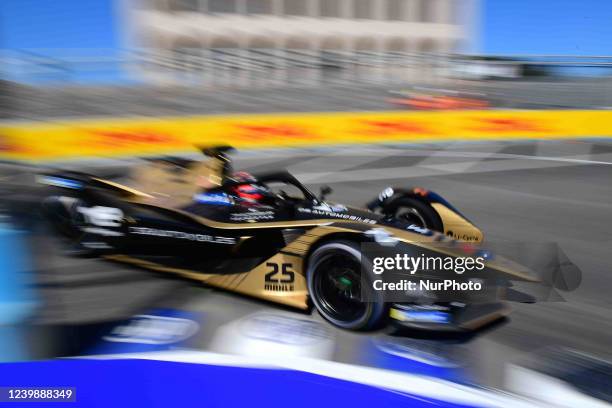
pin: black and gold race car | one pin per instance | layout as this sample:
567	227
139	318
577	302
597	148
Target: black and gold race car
268	236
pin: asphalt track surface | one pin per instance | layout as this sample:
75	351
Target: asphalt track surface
548	191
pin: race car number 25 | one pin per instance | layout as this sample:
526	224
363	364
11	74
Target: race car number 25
280	277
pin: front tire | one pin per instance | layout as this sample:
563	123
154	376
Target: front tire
415	212
63	217
334	284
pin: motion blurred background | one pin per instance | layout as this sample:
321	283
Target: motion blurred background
520	93
96	58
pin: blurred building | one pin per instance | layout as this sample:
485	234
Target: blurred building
300	40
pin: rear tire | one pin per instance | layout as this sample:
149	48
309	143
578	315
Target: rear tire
334	284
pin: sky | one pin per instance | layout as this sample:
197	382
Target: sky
574	27
502	27
56	29
553	27
58	24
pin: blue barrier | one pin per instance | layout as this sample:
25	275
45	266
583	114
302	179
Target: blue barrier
17	300
139	383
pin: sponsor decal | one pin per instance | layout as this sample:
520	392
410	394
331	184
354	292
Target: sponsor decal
252	215
408	351
213	198
425	316
60	182
182	235
463	237
100	219
150	329
285	330
332	214
509	124
382	236
330	207
101	231
4	144
338	208
102	216
419	230
8	146
125	138
396	126
96	245
272	131
280	278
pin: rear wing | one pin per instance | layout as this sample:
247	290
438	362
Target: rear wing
208	173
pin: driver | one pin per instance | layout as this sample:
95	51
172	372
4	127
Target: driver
250	191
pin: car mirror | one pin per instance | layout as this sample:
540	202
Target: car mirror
325	191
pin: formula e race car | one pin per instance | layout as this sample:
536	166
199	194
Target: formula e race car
266	236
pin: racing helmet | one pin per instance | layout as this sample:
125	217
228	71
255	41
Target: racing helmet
250	190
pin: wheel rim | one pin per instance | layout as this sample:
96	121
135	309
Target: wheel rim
338	287
76	221
413	216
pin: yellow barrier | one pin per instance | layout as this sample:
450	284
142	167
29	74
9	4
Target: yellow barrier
125	137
